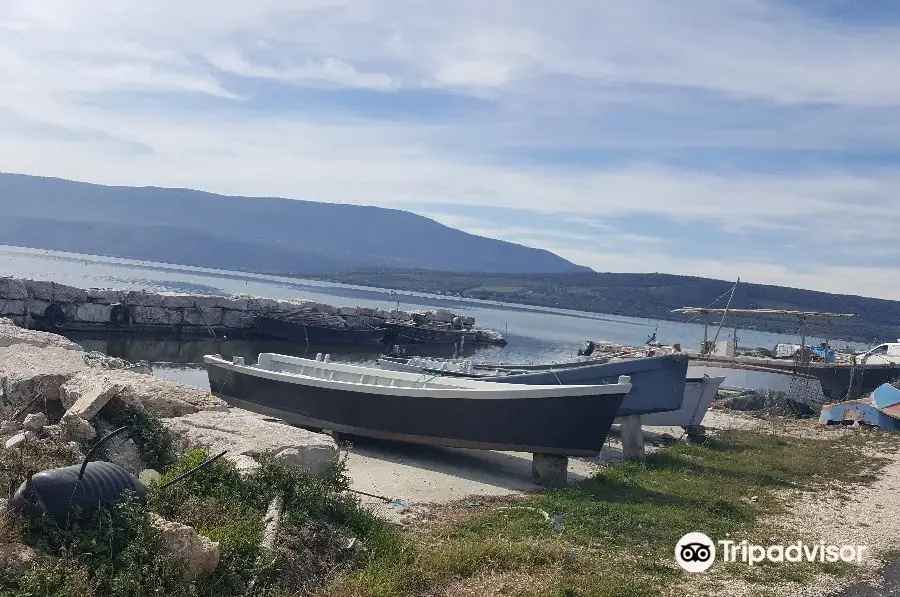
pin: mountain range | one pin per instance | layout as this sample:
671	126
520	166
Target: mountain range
271	235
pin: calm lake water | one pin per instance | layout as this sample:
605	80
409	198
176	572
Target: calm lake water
534	333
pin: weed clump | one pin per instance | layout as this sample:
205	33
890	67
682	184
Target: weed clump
117	552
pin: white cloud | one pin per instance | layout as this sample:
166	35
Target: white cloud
557	76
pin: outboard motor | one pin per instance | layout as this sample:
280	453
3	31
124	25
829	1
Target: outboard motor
587	349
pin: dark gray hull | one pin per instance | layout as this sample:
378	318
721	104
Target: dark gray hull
657	382
569	425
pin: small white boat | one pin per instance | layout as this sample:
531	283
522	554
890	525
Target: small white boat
422	408
698	395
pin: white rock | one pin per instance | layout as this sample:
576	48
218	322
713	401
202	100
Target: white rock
9	427
262	305
148	476
15	441
30	436
243	432
352	311
93	394
443	315
160	397
232	302
93	313
199	554
400	315
27	371
13	288
74	428
12	334
243	463
52	431
35	422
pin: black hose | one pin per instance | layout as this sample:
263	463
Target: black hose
203	464
96	447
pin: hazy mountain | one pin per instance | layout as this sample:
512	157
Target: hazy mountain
271	235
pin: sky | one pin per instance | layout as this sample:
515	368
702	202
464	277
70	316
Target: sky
718	138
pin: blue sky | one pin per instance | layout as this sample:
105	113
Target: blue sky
722	138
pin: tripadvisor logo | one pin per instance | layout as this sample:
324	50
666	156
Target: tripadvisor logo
696	552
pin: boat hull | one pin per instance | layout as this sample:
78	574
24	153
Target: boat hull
657	383
315	334
698	395
567	425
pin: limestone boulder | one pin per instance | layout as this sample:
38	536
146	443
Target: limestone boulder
27	371
142	298
93	313
200	555
51	291
74	428
13	288
152	315
103	297
12	308
178	301
244	432
12	334
35	422
160	397
237	319
90	394
233	303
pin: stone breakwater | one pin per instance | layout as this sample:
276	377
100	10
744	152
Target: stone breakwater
59	307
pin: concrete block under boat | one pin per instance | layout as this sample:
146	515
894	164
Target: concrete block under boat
568	420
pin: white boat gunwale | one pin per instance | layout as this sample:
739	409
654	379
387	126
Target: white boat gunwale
431	386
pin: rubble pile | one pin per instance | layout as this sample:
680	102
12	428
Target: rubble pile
49	394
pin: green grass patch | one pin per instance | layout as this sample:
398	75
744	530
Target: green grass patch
621	527
116	551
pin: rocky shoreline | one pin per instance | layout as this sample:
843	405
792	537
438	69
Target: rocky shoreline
59	307
53	397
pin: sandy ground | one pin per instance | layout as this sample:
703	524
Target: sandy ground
414	477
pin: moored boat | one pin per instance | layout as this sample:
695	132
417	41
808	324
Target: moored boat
699	392
410	407
657	382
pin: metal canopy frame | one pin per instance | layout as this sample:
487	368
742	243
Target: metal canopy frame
803	316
